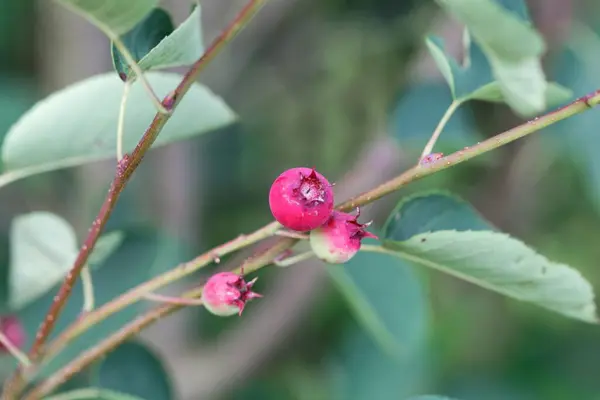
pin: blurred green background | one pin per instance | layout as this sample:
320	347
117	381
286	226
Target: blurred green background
319	83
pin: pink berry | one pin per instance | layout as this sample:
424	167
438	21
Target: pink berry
12	328
301	199
226	294
339	239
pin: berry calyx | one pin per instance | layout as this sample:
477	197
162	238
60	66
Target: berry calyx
301	199
340	238
12	328
226	294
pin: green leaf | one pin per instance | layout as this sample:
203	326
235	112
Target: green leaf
78	124
361	369
142	39
43	247
444	234
113	17
492	92
432	211
505	51
430	397
154	44
372	299
133	369
497	29
522	83
576	139
105	246
413	128
475	80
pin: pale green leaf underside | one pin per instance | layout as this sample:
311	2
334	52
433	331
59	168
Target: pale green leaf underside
182	47
495	28
503	264
513	48
78	124
114	17
43	248
555	94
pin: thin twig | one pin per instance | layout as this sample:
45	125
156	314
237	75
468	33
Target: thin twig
293	235
137	293
86	358
14	350
139	74
121	121
440	127
286	262
181	301
419	171
125	169
88	289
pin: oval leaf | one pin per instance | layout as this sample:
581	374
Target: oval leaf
78	125
505	33
43	247
361	369
490	259
112	16
374	297
134	369
154	43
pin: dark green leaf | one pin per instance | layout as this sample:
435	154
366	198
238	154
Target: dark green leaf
413	128
577	138
370	282
432	211
135	370
142	38
106	245
49	136
154	44
447	235
114	17
361	369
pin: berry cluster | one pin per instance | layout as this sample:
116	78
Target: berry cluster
301	199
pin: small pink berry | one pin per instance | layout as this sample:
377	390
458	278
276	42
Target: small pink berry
226	294
339	239
301	199
12	328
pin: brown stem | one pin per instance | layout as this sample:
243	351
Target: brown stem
124	170
267	256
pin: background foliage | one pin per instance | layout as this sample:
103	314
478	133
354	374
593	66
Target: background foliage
320	83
